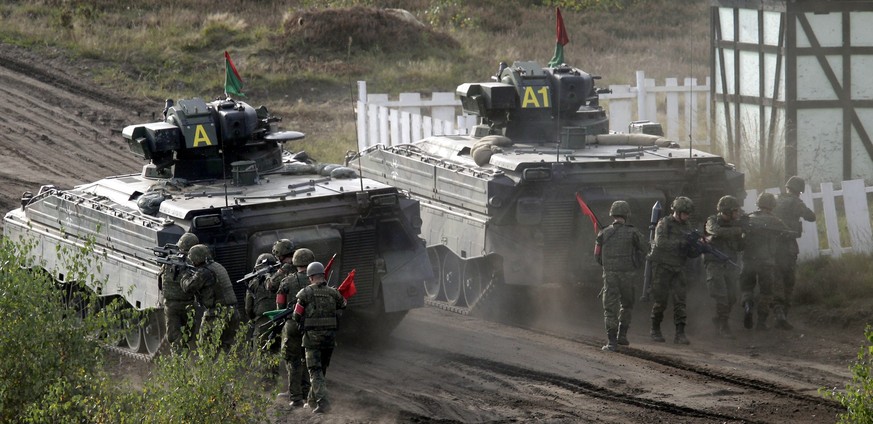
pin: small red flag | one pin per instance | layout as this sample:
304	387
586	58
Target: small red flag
347	288
233	83
587	212
560	31
327	267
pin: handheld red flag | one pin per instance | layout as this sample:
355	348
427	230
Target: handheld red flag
587	212
327	267
347	288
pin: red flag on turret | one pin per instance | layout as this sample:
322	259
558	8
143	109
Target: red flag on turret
347	288
561	39
587	212
232	81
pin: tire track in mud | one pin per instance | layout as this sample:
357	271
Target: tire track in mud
584	388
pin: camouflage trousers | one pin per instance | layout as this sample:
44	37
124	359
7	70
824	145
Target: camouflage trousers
292	351
770	294
176	314
618	298
212	321
722	280
317	360
785	276
668	282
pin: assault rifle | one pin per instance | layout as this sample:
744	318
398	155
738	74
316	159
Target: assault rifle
697	245
647	274
276	322
170	254
259	272
782	231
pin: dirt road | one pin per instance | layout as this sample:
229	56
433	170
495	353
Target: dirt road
542	364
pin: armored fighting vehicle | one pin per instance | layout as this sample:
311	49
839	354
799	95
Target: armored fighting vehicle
505	203
220	170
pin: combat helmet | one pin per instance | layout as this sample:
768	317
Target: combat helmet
620	208
766	201
682	204
265	260
187	241
796	184
198	254
727	204
314	268
282	248
302	257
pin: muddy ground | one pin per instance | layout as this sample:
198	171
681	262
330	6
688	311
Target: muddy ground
540	361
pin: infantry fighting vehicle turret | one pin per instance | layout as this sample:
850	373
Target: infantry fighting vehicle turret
219	170
503	204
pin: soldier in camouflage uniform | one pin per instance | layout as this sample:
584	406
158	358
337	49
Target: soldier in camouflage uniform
260	299
670	251
790	209
177	303
211	284
619	248
762	233
316	310
292	337
725	233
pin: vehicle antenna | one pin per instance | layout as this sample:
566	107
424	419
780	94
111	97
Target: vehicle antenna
224	164
355	115
691	109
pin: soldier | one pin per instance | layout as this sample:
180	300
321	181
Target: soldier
282	250
761	241
670	251
316	310
177	303
619	249
292	337
260	299
724	232
790	209
211	284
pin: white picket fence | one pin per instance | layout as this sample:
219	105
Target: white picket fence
681	110
854	217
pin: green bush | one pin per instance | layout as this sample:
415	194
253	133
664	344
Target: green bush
858	396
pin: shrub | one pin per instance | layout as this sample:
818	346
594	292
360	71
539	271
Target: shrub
858	396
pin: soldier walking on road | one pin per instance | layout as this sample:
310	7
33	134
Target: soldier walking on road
763	230
790	209
316	310
670	251
619	249
725	234
177	303
211	284
292	337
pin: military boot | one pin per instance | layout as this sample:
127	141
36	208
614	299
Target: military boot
762	322
680	335
656	332
611	344
747	315
622	335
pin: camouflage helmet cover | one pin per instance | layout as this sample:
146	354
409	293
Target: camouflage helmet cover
198	254
682	204
766	201
265	259
620	208
796	184
314	268
283	248
187	241
302	257
727	204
